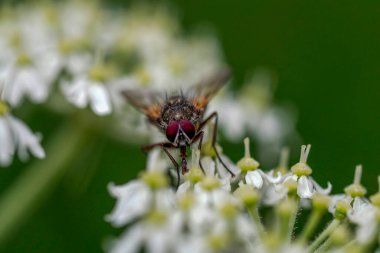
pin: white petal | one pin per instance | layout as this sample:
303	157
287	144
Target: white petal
223	173
99	99
133	201
334	199
159	241
76	92
7	147
319	189
274	193
25	139
208	165
165	199
254	178
156	161
271	178
129	242
183	188
22	82
305	188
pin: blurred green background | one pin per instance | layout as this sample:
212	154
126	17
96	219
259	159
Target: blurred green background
326	56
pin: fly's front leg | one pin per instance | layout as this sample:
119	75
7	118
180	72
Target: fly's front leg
213	140
165	146
199	136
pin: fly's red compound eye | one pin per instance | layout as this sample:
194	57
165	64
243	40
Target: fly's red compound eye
188	128
172	130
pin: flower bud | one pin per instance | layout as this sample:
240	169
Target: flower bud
228	210
247	195
247	163
210	183
356	189
301	168
320	202
287	207
340	235
156	217
186	201
155	179
4	109
342	207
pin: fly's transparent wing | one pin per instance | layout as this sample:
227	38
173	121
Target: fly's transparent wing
203	92
148	102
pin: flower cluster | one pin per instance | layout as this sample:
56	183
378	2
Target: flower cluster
253	211
76	55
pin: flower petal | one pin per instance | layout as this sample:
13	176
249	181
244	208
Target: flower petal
133	201
99	99
25	139
254	178
305	188
7	147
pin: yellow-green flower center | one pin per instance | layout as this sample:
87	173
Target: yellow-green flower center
286	208
320	202
342	207
143	76
195	175
210	183
340	235
23	59
70	46
301	169
292	185
228	210
375	199
217	242
155	179
355	190
100	73
4	109
247	163
186	201
156	217
208	150
248	195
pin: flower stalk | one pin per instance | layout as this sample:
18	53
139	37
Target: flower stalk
39	179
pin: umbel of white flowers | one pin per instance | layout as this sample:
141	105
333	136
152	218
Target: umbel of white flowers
214	212
73	55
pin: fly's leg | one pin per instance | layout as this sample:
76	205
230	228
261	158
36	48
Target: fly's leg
165	146
199	136
213	140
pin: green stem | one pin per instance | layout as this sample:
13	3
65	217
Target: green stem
254	214
37	181
321	238
325	246
310	226
292	222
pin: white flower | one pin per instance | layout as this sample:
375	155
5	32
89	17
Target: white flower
25	80
257	178
133	202
157	234
134	199
82	92
16	136
306	185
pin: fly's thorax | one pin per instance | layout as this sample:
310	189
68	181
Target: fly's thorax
179	108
